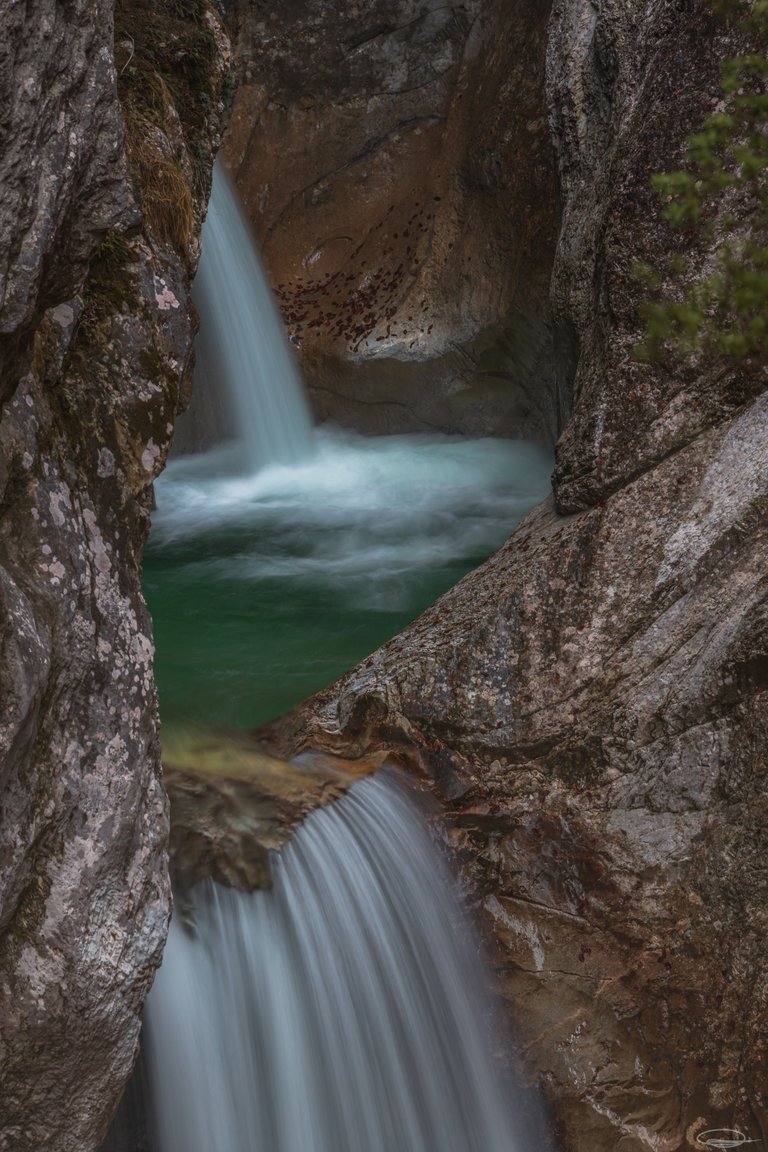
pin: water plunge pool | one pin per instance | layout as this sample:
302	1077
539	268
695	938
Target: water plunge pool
265	588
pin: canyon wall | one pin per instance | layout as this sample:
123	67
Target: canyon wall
396	165
96	336
591	705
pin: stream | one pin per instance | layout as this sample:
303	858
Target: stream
347	1009
266	588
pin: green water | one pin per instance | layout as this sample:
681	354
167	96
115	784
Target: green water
235	652
264	590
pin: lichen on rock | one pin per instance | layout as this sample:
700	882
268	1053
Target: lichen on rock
93	364
590	704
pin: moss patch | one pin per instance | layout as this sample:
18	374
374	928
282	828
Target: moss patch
109	288
169	82
165	50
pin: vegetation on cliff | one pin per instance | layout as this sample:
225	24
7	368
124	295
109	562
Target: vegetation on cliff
713	295
170	80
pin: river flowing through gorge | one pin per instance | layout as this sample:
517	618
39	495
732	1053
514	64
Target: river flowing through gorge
343	1011
436	517
283	555
347	1009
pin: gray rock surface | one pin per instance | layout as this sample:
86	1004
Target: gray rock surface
591	704
61	138
628	83
91	375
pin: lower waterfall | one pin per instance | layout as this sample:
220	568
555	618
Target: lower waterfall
345	1010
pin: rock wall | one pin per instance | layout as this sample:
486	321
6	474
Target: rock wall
397	167
628	83
95	341
591	705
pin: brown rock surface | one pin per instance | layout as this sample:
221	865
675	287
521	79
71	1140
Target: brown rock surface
396	164
591	703
91	374
232	804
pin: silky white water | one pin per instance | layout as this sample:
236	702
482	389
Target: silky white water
363	516
345	1010
243	351
281	556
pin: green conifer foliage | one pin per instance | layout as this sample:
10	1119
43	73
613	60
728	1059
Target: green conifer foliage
712	297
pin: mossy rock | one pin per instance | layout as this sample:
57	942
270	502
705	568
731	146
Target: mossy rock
232	804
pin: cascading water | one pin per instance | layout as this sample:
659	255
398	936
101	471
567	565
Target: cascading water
345	1010
282	558
242	350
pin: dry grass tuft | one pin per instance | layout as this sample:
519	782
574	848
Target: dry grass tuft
166	197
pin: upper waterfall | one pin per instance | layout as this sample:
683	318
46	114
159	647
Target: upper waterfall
242	348
342	1011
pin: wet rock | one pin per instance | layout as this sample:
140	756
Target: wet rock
401	184
97	333
232	804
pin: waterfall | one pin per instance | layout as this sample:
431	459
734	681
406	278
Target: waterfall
345	1010
245	365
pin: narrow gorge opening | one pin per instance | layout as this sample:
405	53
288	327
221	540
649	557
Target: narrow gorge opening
282	555
347	1008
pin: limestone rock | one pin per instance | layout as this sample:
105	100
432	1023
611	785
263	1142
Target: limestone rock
92	369
591	703
64	174
396	164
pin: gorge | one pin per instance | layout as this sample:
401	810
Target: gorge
587	707
283	554
376	1035
345	1006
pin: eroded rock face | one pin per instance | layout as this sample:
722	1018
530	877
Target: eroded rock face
591	703
396	163
91	379
628	84
591	706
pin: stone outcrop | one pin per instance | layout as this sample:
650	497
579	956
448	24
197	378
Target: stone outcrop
591	705
232	804
628	84
95	340
396	164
